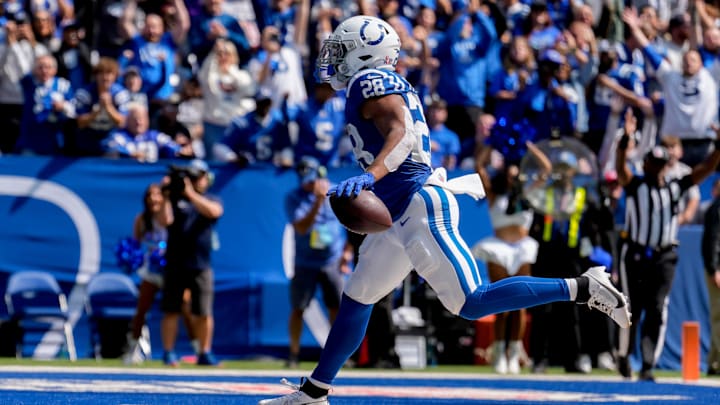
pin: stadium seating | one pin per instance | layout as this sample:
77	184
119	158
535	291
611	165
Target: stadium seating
35	301
110	306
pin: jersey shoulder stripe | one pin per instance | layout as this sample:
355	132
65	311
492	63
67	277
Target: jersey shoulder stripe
372	83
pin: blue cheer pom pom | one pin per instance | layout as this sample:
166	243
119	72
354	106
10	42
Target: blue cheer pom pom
129	254
509	138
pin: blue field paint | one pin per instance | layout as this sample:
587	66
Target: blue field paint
45	385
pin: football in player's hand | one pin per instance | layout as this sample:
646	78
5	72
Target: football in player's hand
363	214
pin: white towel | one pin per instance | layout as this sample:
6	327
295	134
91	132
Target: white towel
469	184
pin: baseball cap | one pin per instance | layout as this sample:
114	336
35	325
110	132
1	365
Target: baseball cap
309	169
198	167
658	154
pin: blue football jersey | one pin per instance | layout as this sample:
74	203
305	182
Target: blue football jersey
156	62
260	137
41	128
320	128
397	188
601	97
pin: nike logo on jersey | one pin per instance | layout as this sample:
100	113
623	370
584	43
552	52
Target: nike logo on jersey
404	221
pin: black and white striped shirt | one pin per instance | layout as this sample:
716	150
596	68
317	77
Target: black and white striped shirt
651	210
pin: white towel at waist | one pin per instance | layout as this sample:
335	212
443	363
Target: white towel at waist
469	184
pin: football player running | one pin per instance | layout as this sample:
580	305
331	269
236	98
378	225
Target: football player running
391	144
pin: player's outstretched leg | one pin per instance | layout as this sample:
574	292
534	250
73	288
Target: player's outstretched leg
592	287
346	335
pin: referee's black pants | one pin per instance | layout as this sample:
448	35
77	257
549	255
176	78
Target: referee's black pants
646	276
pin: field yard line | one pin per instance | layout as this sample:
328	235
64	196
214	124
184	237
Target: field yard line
399	375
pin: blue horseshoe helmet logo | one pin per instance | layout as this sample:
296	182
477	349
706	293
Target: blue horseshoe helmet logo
373	42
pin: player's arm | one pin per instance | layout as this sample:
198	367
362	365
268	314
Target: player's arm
207	207
305	223
388	115
627	95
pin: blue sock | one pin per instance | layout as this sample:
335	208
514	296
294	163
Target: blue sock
345	337
514	293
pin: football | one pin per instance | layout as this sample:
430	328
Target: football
363	214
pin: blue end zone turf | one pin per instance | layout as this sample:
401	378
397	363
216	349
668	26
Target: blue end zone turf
51	385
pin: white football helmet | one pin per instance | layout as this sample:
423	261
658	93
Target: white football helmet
358	43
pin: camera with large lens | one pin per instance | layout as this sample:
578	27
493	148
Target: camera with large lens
177	175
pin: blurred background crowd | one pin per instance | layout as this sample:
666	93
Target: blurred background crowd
232	81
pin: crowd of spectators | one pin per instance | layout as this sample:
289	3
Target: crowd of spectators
229	79
232	80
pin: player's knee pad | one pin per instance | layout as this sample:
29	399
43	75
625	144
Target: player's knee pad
421	257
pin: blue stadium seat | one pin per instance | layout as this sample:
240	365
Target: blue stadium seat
110	305
35	301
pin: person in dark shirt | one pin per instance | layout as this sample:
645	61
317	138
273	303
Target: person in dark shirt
73	57
191	240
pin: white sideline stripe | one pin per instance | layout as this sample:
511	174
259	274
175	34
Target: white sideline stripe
225	388
384	374
88	234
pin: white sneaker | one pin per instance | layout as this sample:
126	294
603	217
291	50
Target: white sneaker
500	362
295	398
584	364
605	361
514	351
605	297
133	355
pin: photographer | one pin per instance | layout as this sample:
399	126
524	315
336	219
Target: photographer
190	242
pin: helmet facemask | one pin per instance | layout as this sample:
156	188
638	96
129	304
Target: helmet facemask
331	67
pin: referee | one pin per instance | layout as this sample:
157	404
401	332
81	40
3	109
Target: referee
648	245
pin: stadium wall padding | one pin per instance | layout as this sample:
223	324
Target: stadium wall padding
251	306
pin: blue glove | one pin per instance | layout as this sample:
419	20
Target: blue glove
601	257
351	187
